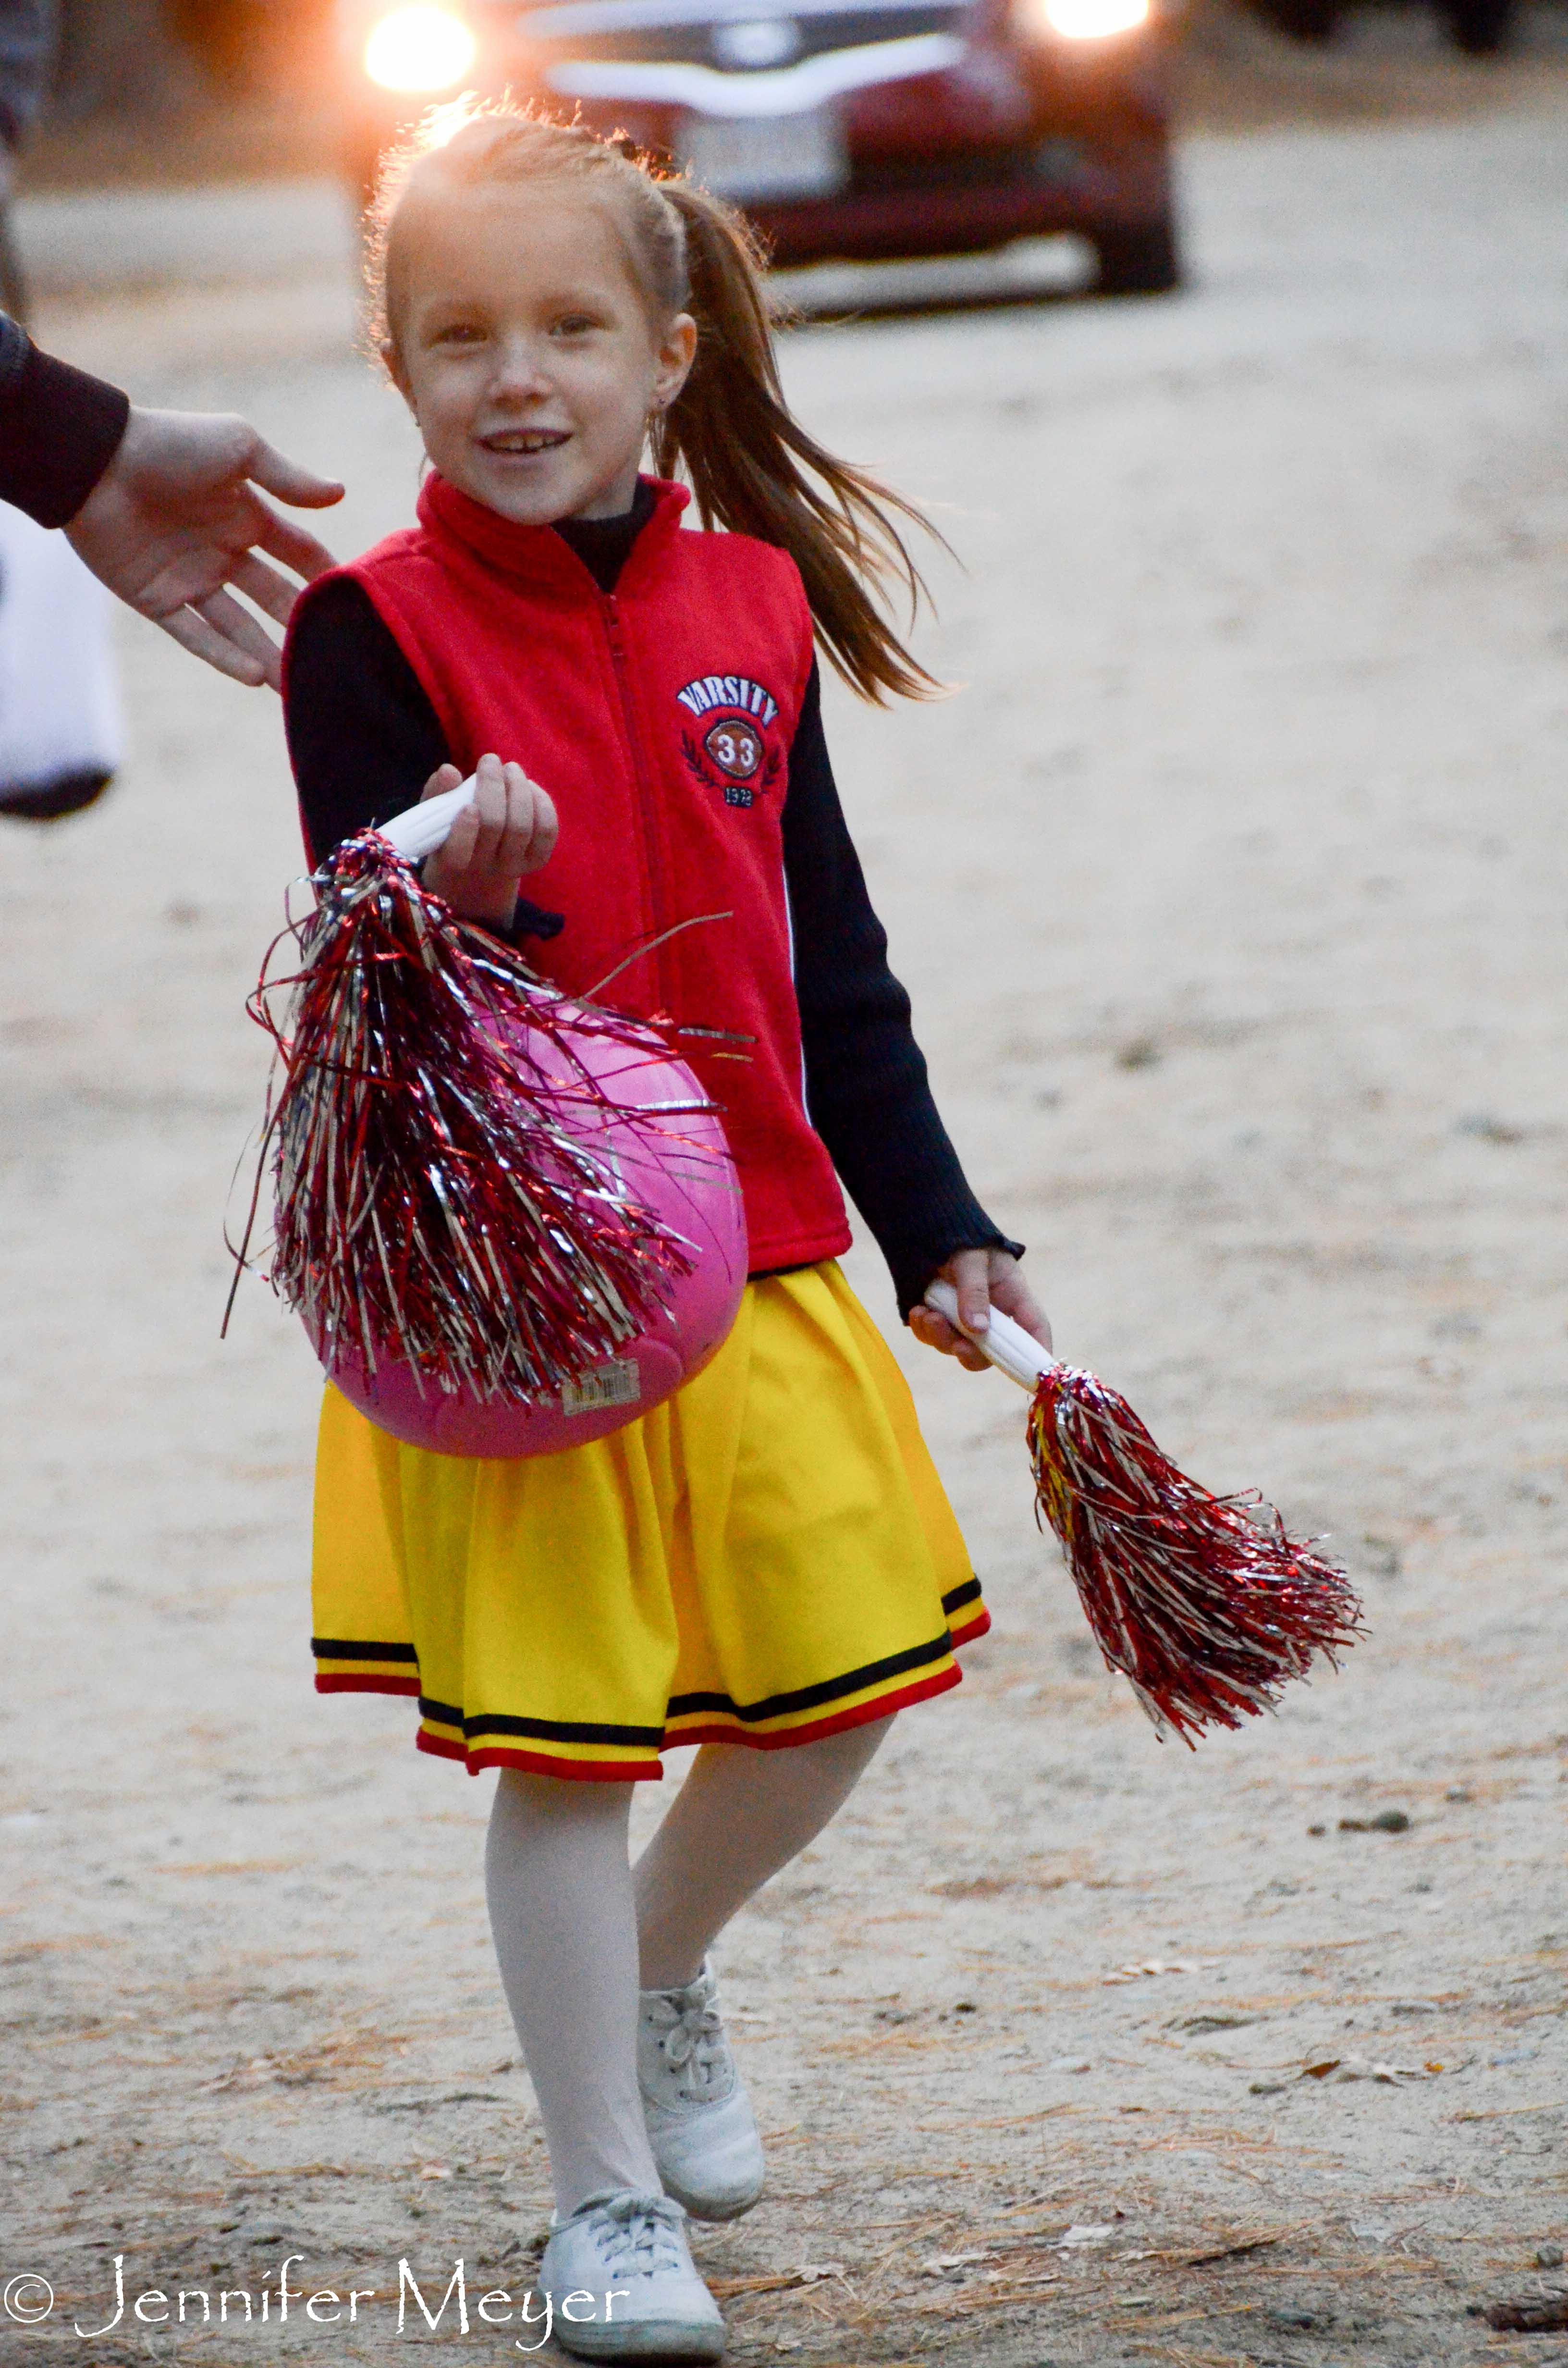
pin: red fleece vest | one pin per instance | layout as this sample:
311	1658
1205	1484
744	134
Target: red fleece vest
660	719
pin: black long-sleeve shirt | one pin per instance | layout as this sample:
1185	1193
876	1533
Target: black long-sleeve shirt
58	428
29	35
364	739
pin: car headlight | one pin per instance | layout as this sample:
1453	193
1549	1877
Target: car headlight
419	49
1094	20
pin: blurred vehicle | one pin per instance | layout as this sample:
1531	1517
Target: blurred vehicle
849	130
1480	28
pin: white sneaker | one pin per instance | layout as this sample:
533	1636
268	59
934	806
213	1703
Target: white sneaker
622	2285
700	2123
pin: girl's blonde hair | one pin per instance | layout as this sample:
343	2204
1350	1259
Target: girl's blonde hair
753	467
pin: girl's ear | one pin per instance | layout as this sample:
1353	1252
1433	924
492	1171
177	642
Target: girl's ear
677	351
392	361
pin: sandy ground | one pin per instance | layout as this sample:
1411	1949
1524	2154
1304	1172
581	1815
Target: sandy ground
1232	894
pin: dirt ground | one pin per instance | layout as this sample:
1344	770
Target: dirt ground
1233	891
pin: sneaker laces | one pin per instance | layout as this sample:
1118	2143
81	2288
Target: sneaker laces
637	2235
691	2034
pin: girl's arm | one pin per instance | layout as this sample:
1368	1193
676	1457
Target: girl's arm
867	1087
363	737
364	743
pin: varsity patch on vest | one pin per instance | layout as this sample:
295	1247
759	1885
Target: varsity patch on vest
728	745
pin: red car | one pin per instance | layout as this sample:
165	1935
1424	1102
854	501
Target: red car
849	130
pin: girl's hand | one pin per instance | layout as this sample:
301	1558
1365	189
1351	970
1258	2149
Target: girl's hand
510	828
984	1280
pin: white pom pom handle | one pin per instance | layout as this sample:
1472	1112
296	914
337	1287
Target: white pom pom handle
1007	1346
421	829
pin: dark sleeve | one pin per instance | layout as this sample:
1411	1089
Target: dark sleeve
29	36
363	737
867	1090
58	430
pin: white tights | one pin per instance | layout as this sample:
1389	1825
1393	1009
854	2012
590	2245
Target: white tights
578	1932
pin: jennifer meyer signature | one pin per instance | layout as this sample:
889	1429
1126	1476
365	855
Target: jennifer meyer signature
27	2299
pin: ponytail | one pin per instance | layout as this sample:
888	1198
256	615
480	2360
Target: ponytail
754	469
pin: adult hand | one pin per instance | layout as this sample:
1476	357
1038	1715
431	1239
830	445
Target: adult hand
984	1280
177	517
509	827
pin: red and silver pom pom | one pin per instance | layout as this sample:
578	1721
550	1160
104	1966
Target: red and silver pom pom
1202	1602
439	1198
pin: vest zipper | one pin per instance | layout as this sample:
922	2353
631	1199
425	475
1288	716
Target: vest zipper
652	837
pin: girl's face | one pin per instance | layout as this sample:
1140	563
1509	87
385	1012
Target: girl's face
524	352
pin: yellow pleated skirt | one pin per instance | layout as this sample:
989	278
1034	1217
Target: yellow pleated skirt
765	1558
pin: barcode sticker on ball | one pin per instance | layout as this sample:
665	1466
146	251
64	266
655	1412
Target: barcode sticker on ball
617	1384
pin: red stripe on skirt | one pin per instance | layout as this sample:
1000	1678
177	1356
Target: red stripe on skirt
540	1763
881	1706
622	1772
366	1685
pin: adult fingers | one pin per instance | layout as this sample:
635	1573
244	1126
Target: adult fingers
195	634
288	480
263	584
289	542
225	615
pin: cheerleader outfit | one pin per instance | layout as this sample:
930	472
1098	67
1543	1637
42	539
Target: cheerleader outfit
767	1556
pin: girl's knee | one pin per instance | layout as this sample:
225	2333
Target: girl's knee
557	1800
852	1747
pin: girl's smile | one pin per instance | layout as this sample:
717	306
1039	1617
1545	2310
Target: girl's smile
531	439
523	346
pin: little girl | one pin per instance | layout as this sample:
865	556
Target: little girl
767	1559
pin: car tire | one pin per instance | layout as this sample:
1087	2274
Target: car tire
1143	261
1481	27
